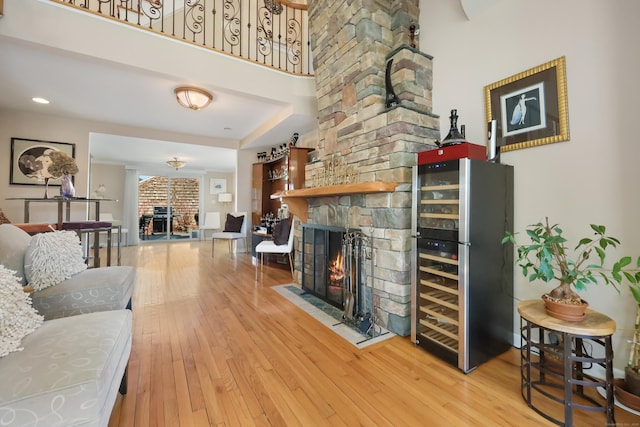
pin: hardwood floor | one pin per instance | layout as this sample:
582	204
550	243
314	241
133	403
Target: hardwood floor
213	346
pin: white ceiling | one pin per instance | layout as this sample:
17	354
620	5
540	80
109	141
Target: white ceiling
89	88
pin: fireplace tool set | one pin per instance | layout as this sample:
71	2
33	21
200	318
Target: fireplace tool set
359	310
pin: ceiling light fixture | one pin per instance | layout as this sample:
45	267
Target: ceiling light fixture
192	97
40	100
175	163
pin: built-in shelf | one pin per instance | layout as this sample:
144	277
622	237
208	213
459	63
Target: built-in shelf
297	199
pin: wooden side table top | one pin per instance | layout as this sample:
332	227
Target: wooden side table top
595	324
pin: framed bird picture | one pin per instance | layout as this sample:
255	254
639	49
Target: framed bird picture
530	108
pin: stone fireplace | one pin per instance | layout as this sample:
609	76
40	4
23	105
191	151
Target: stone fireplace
352	42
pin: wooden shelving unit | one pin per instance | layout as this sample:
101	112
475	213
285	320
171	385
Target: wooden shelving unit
274	176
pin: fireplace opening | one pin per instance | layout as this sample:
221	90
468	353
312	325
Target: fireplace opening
333	261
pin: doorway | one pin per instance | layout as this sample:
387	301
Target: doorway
167	207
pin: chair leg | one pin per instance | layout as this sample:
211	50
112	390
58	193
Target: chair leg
213	245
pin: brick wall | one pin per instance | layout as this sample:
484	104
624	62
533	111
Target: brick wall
185	196
352	41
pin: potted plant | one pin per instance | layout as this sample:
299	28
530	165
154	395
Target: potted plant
63	166
546	257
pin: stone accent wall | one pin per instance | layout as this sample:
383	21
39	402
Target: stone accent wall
352	40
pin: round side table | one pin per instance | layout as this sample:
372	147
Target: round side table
552	356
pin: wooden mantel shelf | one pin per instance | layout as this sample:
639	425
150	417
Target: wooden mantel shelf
297	199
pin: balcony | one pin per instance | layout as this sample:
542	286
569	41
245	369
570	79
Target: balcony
272	33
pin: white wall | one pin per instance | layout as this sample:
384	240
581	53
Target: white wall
211	203
592	177
112	177
51	128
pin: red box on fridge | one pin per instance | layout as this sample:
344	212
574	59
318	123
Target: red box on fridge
450	152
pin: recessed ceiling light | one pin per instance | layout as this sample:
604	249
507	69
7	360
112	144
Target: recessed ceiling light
40	100
227	128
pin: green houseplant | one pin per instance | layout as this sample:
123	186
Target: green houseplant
546	257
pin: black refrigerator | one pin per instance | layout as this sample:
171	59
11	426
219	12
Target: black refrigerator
462	275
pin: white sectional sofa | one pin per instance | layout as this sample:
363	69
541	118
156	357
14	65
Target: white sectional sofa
68	373
71	368
96	289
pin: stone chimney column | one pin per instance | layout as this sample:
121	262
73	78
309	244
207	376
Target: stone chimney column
352	41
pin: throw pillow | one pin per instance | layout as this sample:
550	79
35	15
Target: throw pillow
3	218
13	246
233	224
17	317
53	257
281	232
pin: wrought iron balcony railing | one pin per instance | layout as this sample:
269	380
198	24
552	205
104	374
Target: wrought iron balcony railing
273	33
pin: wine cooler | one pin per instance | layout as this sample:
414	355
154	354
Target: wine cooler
462	275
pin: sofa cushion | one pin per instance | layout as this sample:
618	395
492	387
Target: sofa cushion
68	373
13	246
52	258
95	289
17	318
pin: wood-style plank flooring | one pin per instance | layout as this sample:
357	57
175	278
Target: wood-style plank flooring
213	346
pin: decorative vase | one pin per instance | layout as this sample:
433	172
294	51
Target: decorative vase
66	188
46	188
568	312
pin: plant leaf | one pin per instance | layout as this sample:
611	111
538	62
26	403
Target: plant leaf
624	261
635	291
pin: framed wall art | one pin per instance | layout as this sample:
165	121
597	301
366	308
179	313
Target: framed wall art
530	108
217	185
29	160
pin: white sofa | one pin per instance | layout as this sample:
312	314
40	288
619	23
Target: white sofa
96	289
71	368
69	372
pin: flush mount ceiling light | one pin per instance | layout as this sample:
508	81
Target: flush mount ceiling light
175	163
192	97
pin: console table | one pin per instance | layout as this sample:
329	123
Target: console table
88	227
62	203
552	356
